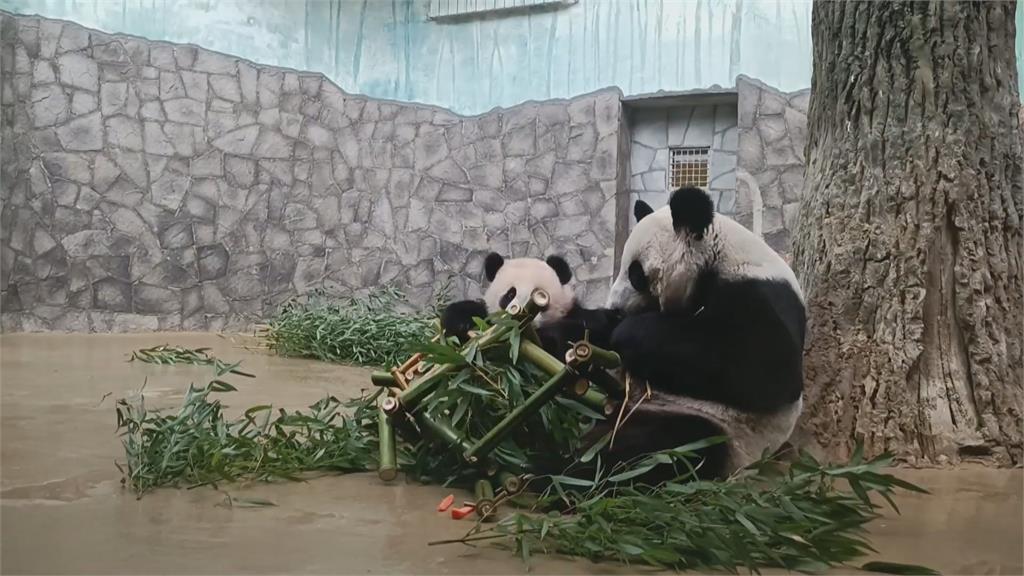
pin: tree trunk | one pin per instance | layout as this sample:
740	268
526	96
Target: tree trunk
909	245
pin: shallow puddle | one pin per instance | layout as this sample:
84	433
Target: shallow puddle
64	510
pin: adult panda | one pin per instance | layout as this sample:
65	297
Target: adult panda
564	321
715	325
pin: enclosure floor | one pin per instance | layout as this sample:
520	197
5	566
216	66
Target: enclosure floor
64	510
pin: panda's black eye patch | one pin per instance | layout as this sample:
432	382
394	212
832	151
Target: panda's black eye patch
507	297
638	278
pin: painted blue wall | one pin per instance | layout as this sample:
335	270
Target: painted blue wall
388	48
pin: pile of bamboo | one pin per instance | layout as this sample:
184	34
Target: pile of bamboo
583	376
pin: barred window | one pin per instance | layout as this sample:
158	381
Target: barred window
688	167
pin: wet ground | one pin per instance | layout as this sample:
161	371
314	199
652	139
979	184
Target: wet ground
64	511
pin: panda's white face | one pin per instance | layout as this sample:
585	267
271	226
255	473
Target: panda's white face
659	266
669	248
514	280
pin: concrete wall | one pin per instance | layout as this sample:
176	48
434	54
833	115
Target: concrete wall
149	185
770	172
654	130
390	49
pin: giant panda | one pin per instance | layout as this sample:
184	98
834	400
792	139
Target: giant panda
563	322
714	323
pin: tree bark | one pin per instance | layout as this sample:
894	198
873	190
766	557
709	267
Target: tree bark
909	243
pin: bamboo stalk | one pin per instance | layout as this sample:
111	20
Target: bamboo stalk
593	399
442	431
539	358
387	469
542	396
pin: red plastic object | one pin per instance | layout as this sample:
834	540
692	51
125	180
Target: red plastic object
460	513
446	503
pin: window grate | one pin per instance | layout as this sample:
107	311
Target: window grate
688	167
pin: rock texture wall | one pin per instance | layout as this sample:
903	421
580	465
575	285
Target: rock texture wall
156	186
770	171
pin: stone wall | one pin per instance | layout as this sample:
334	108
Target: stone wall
770	171
147	185
655	129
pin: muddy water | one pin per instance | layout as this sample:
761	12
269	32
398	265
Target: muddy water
64	511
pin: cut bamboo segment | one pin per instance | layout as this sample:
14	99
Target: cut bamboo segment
387	469
483	489
578	388
400	380
600	357
383	379
511	483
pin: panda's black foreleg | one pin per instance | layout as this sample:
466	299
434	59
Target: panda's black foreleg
670	352
596	325
457	318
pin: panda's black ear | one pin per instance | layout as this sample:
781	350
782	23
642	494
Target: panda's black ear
692	211
492	264
641	209
561	267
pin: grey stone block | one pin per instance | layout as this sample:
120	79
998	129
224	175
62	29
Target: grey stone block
147	299
162	56
177	235
185	56
49	105
124	132
239	141
43	73
209	164
73	38
82	103
195	84
82	133
112	294
185	111
133	165
110	51
68	166
213	261
226	87
271	144
771	103
210	62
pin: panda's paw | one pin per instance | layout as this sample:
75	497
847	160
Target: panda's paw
457	319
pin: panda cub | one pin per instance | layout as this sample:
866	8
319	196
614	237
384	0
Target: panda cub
714	323
563	322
